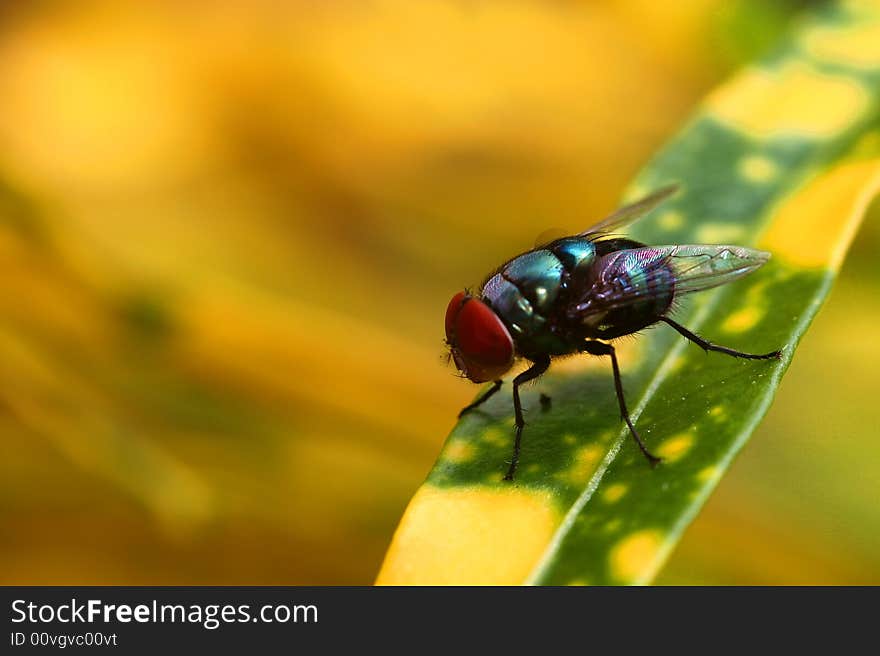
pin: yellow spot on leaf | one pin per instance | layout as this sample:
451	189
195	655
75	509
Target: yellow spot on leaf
708	474
586	460
636	192
612	525
867	145
579	582
469	536
794	99
607	436
758	169
635	558
678	364
675	447
743	320
856	45
868	7
496	437
815	227
458	451
671	220
719	233
614	492
718	411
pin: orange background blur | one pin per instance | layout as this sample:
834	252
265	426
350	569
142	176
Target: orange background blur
228	233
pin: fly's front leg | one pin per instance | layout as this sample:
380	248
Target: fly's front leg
600	348
538	368
480	401
706	345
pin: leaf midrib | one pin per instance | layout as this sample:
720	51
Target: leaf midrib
571	516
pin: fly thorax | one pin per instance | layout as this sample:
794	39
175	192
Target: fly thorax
524	291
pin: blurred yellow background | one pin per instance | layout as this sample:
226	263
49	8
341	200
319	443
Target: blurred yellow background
228	234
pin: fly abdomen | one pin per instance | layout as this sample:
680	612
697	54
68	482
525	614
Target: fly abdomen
657	288
629	290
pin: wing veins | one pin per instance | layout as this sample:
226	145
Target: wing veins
691	278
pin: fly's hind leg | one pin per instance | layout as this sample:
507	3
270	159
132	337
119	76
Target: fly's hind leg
706	345
600	348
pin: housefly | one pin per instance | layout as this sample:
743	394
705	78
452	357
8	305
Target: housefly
576	295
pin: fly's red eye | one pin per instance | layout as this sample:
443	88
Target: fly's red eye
452	311
480	334
481	343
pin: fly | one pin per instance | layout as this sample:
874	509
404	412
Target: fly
578	293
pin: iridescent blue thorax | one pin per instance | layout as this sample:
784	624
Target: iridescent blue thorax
534	294
528	291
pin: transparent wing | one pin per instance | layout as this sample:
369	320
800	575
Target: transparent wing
633	275
630	213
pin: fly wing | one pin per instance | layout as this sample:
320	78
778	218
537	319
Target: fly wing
630	276
630	213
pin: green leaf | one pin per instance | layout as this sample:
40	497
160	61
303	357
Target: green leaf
783	157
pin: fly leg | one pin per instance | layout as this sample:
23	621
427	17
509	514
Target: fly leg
600	348
480	401
538	368
706	345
